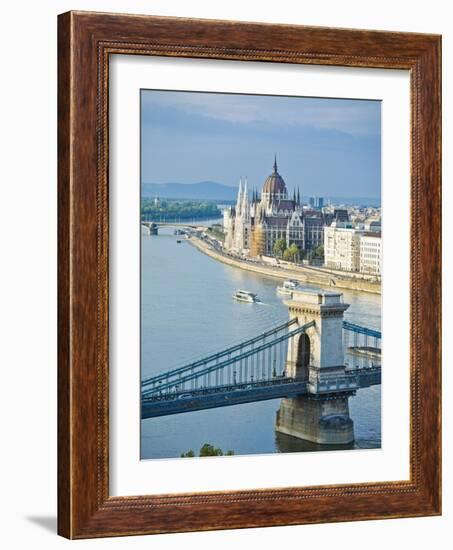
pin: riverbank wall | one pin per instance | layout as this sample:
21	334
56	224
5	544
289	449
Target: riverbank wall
301	274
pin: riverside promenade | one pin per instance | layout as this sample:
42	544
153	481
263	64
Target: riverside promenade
321	277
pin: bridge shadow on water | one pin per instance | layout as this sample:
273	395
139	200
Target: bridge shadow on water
289	444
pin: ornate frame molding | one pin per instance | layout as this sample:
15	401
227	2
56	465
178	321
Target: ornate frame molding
85	41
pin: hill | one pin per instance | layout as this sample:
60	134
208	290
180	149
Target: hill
203	190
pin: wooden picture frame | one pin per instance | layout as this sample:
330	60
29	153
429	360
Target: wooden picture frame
85	42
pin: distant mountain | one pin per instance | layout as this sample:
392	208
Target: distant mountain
203	190
213	191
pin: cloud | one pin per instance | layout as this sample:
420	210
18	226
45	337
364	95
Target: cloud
329	147
355	117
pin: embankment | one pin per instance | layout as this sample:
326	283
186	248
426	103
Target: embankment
324	280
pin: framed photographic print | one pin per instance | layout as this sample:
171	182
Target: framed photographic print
249	275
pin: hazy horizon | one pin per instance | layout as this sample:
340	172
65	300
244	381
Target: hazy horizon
324	147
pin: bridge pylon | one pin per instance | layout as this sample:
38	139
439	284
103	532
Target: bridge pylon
316	356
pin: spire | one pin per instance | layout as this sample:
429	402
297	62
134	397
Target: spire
294	196
245	196
238	203
275	163
298	197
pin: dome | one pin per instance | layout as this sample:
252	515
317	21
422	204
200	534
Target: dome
274	183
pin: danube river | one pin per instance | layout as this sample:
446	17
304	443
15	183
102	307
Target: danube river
187	312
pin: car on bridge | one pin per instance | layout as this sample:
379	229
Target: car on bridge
185	396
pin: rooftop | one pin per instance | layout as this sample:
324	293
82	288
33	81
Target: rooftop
274	183
318	296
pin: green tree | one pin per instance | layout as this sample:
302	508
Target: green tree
210	450
189	454
173	209
216	230
207	450
318	252
292	253
279	247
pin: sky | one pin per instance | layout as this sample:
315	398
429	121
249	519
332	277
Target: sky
324	147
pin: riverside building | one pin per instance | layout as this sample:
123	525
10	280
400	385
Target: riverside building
253	226
370	253
342	246
350	249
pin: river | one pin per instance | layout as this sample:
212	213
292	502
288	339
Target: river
188	312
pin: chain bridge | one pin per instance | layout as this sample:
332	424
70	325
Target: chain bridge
313	359
153	227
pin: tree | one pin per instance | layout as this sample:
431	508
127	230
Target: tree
207	450
210	450
189	454
292	253
184	210
318	252
279	247
287	255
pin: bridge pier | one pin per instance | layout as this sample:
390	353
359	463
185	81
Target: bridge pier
317	357
317	419
153	229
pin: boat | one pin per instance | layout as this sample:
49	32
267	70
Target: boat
245	296
178	241
288	287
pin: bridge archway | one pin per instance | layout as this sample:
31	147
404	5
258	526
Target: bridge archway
301	357
303	351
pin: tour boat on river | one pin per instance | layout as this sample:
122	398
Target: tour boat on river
245	296
288	287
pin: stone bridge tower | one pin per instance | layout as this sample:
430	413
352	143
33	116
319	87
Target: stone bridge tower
317	356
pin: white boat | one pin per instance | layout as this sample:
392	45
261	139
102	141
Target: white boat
288	287
245	296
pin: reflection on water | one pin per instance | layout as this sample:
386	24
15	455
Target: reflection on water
188	312
288	444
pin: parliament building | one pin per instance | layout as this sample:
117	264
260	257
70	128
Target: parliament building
254	225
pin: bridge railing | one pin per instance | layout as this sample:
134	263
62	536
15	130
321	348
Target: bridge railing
258	360
277	381
362	345
358	329
215	356
261	358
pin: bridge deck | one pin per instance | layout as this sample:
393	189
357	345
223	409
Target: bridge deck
235	394
210	399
